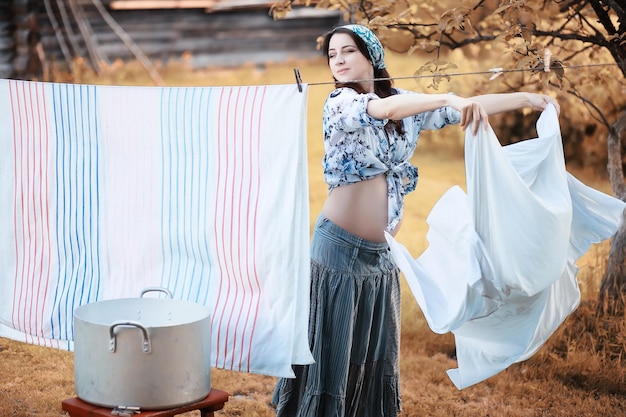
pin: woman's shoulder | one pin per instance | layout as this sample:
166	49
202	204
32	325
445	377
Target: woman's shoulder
343	91
346	96
397	90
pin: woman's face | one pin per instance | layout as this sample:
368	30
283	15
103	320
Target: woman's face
346	61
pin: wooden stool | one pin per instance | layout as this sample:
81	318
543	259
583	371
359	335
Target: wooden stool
213	402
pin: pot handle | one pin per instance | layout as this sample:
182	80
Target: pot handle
146	345
160	289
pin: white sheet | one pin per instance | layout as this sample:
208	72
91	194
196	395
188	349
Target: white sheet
499	271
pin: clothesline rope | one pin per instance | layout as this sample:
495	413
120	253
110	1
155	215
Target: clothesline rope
493	71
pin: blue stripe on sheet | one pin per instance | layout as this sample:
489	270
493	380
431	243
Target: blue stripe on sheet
185	182
76	201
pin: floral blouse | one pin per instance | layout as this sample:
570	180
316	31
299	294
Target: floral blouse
358	147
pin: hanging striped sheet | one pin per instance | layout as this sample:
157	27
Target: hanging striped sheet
105	191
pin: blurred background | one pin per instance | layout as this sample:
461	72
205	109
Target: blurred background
38	37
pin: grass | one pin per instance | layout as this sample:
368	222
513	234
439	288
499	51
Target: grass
579	372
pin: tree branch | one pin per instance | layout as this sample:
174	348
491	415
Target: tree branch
588	103
614	149
603	17
572	36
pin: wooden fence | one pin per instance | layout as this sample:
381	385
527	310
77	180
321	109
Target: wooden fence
35	34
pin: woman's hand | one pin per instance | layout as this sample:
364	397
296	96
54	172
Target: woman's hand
540	101
472	112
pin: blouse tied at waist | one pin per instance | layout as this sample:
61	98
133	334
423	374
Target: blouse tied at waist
360	147
401	180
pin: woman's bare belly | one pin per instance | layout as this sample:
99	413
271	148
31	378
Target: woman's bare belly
360	208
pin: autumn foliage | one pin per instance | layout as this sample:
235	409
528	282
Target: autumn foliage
573	49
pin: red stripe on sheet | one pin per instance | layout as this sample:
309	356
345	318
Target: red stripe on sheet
232	249
18	203
238	184
244	149
232	177
255	285
20	141
32	232
44	256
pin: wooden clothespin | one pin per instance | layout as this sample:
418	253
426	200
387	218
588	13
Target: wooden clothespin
496	72
547	57
296	72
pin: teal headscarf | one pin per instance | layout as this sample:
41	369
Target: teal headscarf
374	47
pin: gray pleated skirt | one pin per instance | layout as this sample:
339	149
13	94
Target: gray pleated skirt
354	331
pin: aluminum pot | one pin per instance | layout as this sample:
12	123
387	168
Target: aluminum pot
151	353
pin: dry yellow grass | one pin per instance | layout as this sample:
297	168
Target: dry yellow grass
567	377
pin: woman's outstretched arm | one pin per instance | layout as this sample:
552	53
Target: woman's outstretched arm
498	103
399	106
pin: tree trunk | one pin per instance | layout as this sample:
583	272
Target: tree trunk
612	299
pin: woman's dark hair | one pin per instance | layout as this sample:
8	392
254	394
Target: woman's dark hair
382	84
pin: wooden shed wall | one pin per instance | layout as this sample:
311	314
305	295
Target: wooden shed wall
222	37
7	44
